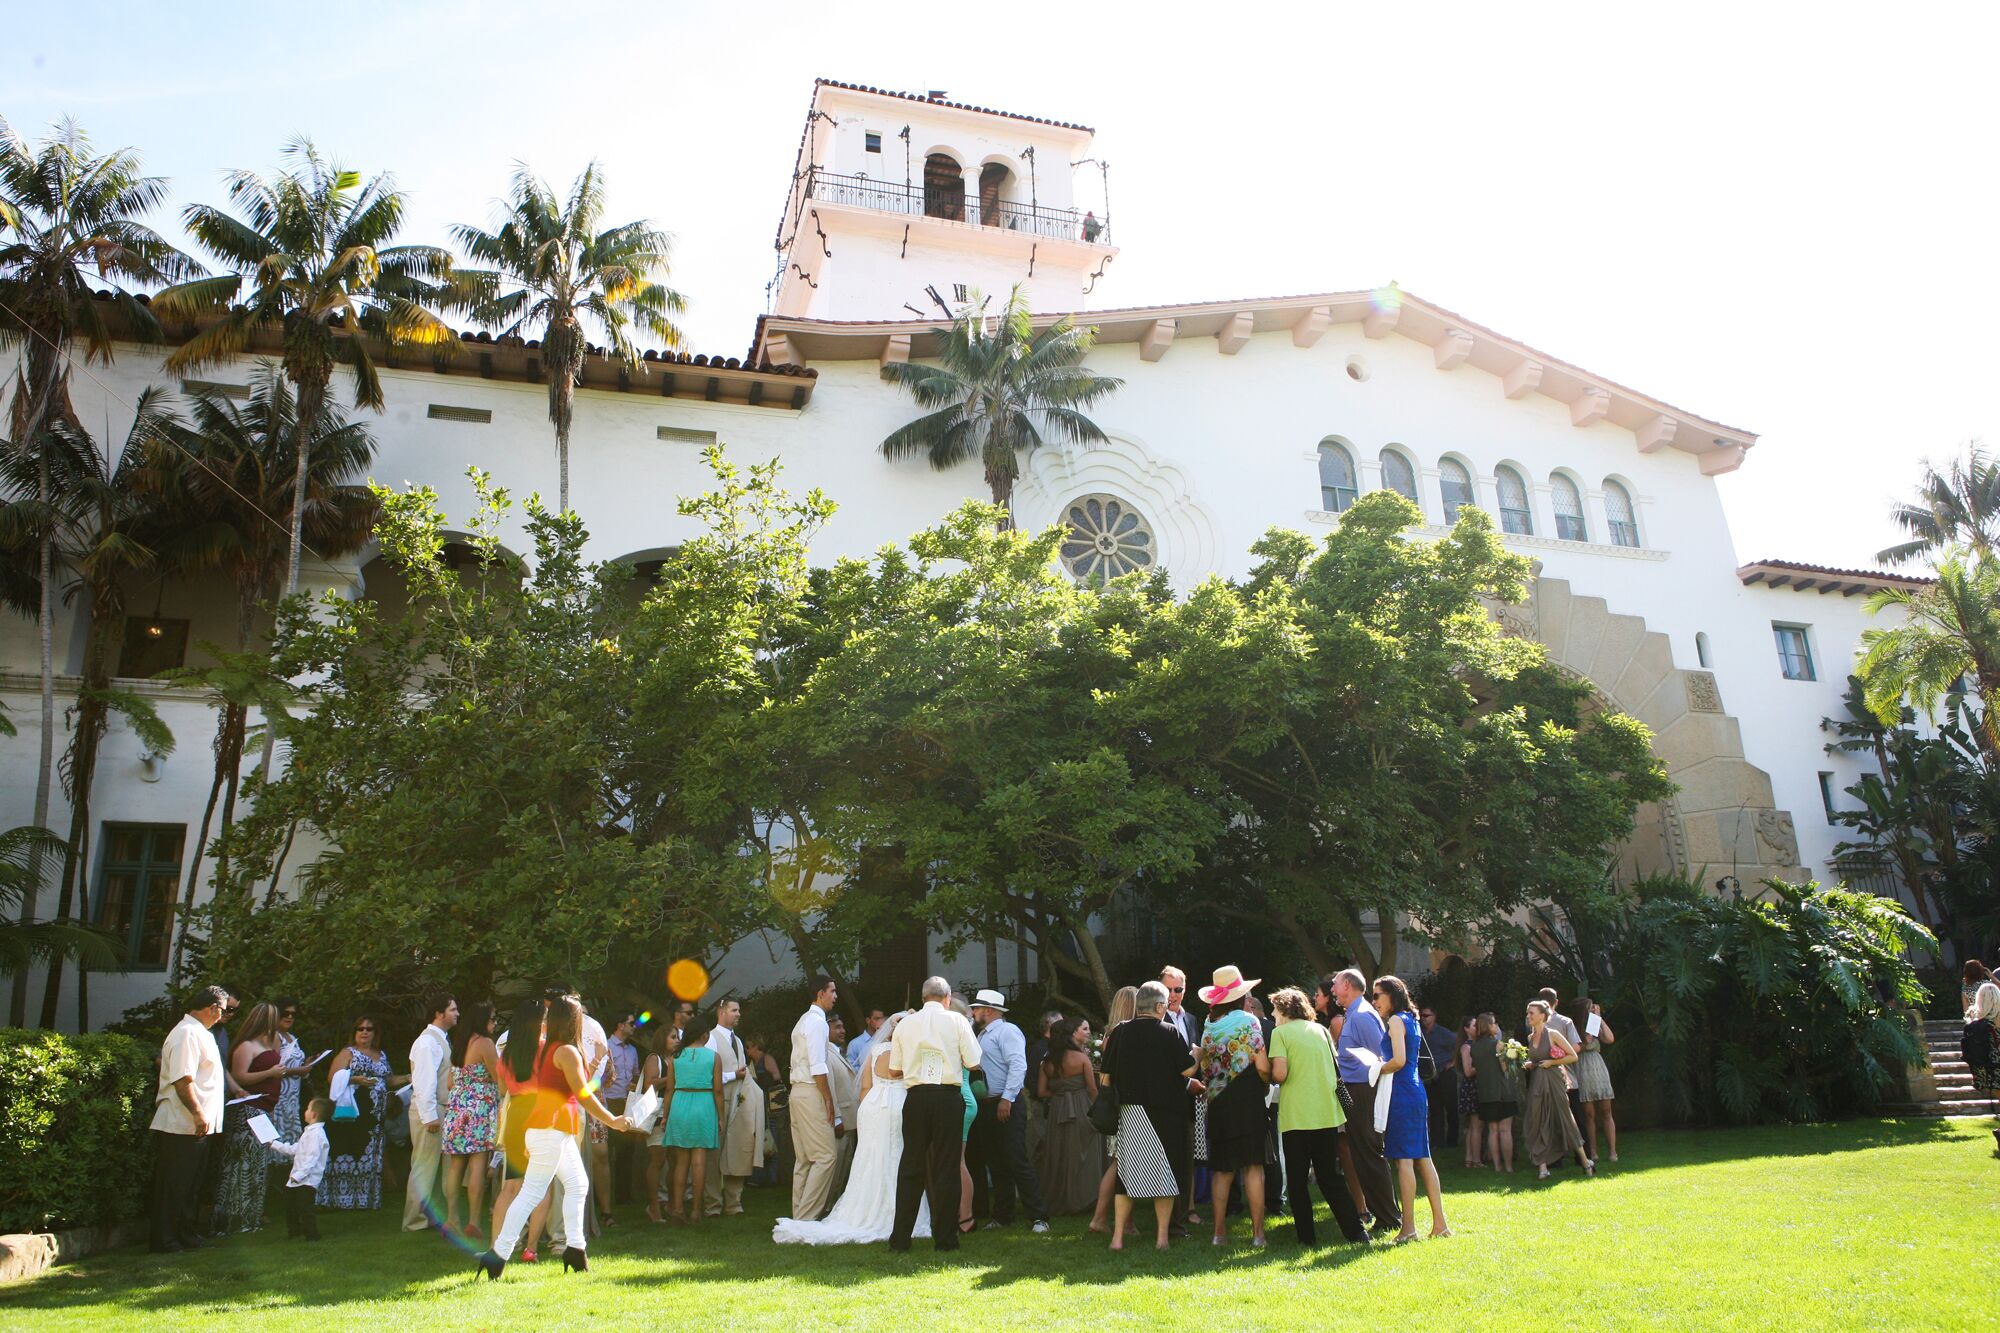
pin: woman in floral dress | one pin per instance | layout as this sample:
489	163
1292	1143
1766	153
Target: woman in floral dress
471	1115
1233	1066
354	1172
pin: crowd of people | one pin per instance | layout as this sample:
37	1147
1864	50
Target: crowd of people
927	1123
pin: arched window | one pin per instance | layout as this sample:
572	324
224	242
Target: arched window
1455	486
992	180
944	188
1701	648
1618	511
1398	475
1567	501
1515	516
1336	477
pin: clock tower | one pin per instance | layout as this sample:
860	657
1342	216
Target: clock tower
903	204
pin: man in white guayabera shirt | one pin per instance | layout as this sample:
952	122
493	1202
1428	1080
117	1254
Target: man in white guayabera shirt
933	1051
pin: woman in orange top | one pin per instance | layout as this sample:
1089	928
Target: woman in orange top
560	1085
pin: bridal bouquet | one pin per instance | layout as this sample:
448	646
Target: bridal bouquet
1515	1056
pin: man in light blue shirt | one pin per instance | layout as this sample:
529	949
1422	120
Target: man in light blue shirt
1362	1029
859	1046
997	1153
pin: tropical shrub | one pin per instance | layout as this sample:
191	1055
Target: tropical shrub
74	1146
1788	1006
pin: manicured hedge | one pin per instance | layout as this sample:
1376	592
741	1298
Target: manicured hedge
74	1144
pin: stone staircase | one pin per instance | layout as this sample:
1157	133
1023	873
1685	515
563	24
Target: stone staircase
1944	1087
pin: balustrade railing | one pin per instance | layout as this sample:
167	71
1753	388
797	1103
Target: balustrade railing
896	197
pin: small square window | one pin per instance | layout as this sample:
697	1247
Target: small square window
1794	652
874	142
152	646
959	292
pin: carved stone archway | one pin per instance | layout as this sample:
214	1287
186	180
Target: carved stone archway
1724	817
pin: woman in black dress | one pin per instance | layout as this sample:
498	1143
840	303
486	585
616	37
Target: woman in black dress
1151	1070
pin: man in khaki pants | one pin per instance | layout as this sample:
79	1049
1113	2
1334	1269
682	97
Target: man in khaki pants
816	1124
430	1068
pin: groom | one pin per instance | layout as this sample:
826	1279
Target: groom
933	1050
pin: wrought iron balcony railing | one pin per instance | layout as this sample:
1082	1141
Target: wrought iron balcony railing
1065	224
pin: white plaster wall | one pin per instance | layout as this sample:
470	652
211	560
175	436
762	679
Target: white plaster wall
873	275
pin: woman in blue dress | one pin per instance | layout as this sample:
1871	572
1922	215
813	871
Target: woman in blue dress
694	1122
1407	1140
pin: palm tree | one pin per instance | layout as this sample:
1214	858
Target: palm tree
109	531
233	467
550	268
24	851
996	391
1950	631
312	245
68	215
1958	507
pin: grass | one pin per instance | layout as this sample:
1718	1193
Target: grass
1884	1224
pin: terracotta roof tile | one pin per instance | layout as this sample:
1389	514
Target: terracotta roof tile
956	106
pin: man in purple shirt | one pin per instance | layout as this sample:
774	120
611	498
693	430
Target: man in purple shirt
1363	1030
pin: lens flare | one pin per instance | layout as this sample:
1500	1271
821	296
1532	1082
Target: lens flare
645	1017
687	979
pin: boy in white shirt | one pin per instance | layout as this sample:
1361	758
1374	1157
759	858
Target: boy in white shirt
309	1158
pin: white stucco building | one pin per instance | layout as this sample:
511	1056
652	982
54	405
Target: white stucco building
1235	415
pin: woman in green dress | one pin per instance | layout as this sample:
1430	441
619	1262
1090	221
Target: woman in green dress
694	1122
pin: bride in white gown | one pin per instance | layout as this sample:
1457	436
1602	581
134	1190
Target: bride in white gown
866	1211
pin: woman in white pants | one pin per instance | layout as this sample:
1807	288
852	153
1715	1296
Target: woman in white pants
558	1086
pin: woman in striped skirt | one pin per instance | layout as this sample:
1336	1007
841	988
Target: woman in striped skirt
1149	1066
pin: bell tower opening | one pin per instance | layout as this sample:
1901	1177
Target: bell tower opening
944	188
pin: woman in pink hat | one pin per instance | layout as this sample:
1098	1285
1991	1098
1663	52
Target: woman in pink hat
1235	1068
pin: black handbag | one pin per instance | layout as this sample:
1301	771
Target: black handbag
1104	1112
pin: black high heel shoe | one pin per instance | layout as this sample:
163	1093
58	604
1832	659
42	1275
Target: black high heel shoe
574	1258
490	1264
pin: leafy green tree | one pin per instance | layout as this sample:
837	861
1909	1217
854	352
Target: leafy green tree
1429	769
998	391
1950	632
68	216
549	268
1028	748
1929	811
484	773
1959	507
312	247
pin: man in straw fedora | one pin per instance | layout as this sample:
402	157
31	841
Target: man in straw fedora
998	1152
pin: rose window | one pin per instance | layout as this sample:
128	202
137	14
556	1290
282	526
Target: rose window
1106	538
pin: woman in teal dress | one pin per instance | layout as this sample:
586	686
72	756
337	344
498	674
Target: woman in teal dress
694	1122
964	1133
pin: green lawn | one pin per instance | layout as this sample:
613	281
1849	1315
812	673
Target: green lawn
1875	1223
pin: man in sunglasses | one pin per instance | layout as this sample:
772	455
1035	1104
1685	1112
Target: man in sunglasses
187	1114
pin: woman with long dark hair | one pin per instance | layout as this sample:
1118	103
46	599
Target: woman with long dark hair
523	1040
354	1141
471	1115
1407	1140
253	1064
1071	1161
561	1084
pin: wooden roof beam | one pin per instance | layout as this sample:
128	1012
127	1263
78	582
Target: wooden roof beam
1311	325
1452	349
1235	332
1158	339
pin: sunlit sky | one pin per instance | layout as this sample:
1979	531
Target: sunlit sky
1779	217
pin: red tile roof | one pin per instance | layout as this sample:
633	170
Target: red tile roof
957	106
1826	578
